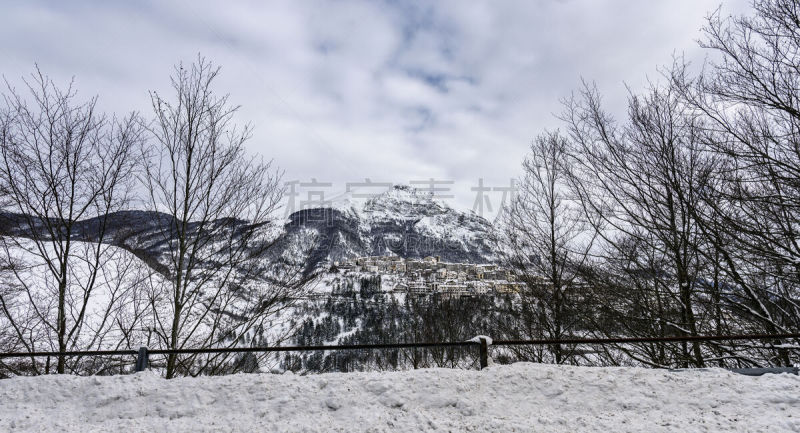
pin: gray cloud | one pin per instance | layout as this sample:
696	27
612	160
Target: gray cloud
343	90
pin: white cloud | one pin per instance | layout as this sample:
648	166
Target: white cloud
343	90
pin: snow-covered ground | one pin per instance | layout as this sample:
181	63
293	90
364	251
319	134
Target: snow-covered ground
519	397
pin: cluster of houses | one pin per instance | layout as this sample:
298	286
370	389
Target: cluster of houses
432	277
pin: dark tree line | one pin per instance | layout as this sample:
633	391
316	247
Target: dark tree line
380	318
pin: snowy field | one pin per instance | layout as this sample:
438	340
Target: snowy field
520	397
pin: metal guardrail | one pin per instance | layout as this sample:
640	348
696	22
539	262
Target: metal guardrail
671	339
750	371
143	354
482	343
766	370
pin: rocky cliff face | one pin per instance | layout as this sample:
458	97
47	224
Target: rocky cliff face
402	221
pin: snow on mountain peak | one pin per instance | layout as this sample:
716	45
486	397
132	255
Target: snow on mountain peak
397	201
390	220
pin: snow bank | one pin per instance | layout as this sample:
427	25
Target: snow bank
519	397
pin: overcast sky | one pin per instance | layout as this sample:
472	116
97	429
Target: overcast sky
340	91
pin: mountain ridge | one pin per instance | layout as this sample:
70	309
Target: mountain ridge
401	221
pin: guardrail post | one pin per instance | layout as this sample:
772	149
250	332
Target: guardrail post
484	353
142	359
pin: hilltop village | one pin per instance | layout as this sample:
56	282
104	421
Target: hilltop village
428	277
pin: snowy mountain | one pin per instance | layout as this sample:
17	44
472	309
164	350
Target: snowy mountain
400	221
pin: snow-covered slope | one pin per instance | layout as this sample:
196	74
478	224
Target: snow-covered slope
520	397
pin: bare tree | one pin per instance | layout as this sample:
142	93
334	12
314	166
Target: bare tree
543	240
216	207
750	98
65	169
640	180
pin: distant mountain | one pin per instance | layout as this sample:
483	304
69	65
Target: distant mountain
401	221
143	233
